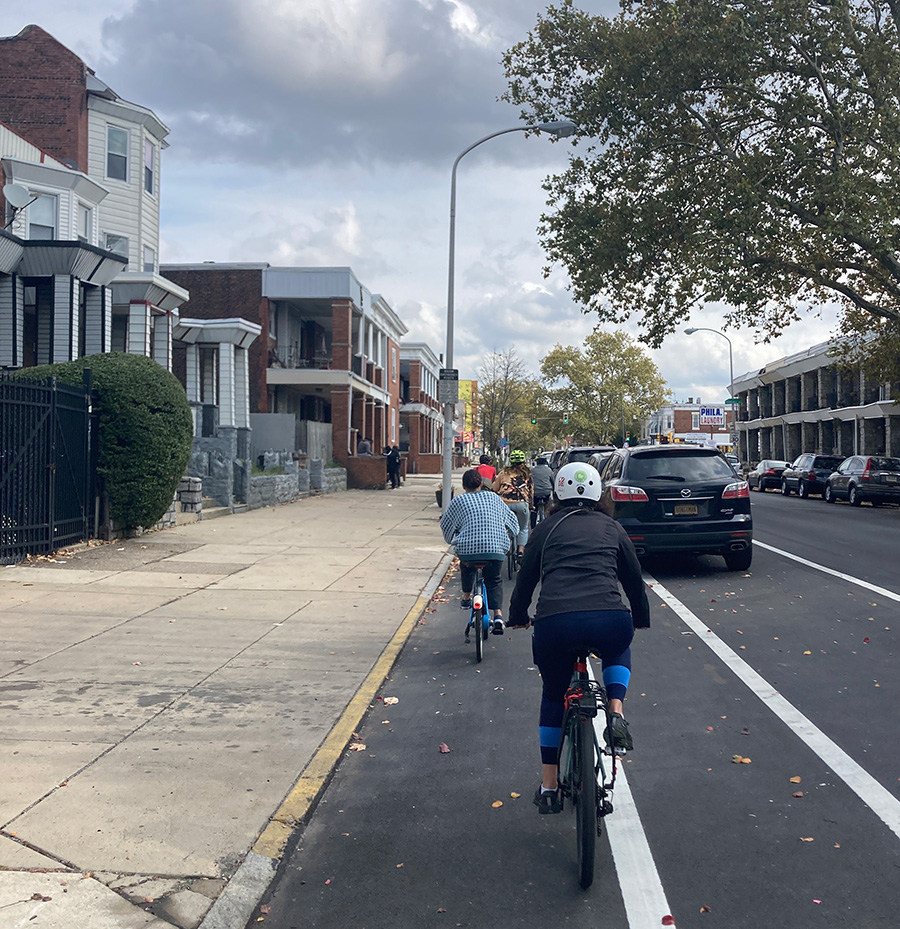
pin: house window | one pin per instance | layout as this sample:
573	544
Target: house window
117	244
695	421
149	259
393	425
393	364
116	153
42	216
149	158
85	222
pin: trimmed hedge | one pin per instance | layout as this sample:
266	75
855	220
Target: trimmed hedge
145	431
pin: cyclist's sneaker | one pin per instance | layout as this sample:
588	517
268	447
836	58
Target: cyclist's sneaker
547	802
465	604
497	626
621	737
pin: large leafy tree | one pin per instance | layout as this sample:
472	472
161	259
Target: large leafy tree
606	387
736	151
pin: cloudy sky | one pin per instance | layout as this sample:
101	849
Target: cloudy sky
323	132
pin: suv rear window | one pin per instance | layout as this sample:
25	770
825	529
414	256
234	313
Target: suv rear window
885	464
682	467
823	461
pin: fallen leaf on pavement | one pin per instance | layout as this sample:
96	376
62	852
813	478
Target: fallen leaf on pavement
704	909
807	839
739	759
515	796
400	865
807	652
265	908
497	804
390	701
444	748
668	920
357	746
796	779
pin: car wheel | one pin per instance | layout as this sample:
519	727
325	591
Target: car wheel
803	490
785	490
739	561
828	495
853	496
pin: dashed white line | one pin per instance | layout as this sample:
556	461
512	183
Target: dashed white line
884	804
881	591
639	882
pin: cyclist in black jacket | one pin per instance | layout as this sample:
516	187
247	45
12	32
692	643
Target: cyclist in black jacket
580	556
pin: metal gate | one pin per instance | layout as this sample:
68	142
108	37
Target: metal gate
46	466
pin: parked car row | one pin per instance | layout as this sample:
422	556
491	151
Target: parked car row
857	479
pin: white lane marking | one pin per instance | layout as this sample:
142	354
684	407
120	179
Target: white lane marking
639	882
881	591
883	803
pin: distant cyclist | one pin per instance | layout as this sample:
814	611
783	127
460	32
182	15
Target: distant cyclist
515	488
580	556
487	471
542	479
478	525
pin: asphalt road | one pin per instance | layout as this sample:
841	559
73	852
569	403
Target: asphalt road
786	665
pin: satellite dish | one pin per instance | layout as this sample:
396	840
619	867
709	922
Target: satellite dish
17	196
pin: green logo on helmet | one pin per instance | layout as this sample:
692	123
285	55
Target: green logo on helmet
581	476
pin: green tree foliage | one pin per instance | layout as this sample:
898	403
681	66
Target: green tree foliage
145	431
736	151
607	386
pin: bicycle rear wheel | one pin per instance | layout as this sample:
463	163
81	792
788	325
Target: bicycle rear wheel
584	795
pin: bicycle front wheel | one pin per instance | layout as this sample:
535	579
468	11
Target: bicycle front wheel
585	800
478	630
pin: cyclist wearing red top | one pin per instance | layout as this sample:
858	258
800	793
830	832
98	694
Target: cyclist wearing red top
487	471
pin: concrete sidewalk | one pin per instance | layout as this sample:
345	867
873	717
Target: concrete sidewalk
172	705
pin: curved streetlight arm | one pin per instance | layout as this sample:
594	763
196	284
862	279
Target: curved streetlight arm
561	129
692	330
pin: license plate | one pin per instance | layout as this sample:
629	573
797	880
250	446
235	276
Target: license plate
892	478
685	509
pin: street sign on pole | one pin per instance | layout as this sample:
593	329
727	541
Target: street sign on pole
733	400
448	385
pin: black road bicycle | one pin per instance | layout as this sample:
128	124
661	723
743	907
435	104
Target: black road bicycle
587	771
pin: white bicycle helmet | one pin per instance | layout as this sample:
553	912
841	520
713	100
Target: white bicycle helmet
577	481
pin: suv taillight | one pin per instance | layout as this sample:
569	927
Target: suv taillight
623	494
770	472
866	475
811	475
738	489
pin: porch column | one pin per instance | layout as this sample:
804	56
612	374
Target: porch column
341	335
162	340
97	320
379	433
138	339
226	384
65	317
241	389
12	319
340	423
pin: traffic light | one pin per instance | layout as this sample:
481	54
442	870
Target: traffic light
533	420
565	419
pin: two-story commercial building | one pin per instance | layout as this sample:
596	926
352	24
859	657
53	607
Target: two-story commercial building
806	402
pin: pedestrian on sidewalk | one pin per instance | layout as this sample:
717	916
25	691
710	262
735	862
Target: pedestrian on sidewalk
478	525
580	556
394	462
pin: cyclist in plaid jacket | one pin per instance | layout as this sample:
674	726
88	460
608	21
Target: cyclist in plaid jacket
478	524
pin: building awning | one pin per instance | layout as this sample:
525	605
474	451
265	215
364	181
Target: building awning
87	263
145	287
11	249
237	331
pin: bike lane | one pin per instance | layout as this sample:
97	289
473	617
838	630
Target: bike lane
409	836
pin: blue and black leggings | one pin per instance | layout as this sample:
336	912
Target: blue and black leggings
557	638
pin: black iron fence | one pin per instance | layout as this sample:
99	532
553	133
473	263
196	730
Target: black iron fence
46	466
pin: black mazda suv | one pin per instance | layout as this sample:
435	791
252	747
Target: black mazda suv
680	498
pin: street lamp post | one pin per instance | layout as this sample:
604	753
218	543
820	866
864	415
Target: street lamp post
561	128
730	366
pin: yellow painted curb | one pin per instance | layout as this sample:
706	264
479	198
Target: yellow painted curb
309	785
